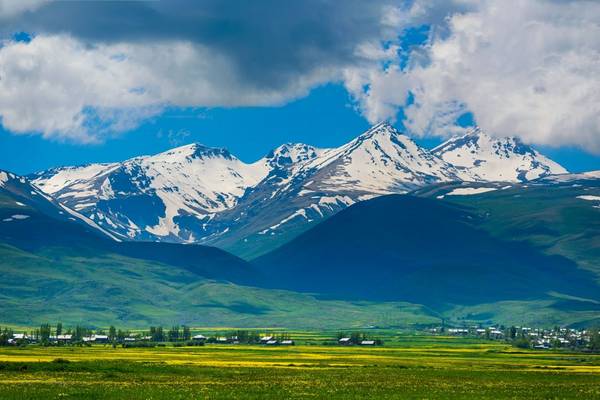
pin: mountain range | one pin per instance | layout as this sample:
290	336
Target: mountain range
56	266
196	194
379	231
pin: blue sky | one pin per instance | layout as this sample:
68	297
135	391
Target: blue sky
325	118
97	81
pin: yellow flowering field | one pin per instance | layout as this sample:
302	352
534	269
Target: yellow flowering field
404	370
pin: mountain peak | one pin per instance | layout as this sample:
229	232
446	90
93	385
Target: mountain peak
380	129
291	154
195	150
509	143
487	158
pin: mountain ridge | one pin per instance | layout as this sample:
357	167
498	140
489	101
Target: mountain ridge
197	194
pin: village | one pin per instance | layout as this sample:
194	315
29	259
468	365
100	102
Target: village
522	337
47	335
527	337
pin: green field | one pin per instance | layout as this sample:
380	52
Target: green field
408	367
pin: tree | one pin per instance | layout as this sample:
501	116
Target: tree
4	336
187	334
59	329
173	334
357	337
157	334
595	339
45	332
522	342
80	332
112	333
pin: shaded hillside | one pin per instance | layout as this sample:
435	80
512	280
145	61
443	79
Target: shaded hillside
55	267
36	224
419	250
559	215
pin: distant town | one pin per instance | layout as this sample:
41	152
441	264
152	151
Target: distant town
528	337
587	340
48	335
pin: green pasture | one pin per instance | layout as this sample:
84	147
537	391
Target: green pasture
409	367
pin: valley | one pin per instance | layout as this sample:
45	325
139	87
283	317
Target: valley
379	232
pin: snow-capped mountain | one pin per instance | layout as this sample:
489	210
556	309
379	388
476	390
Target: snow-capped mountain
198	194
22	201
479	157
168	196
378	162
584	176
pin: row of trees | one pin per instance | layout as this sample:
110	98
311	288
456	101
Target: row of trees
156	334
175	334
45	332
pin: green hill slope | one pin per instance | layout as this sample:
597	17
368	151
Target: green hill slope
434	252
556	217
55	267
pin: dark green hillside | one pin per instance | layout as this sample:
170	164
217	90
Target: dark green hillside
54	269
36	232
550	216
419	250
55	285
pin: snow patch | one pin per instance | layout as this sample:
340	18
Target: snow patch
87	221
469	191
589	198
4	177
16	217
300	213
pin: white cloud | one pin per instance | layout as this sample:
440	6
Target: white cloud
62	88
523	67
89	73
10	8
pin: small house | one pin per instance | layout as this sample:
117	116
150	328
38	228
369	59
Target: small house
345	341
266	339
287	342
64	338
367	343
496	334
100	338
272	342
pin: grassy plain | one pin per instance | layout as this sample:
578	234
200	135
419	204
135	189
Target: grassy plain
409	367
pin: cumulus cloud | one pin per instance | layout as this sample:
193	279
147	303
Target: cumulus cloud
96	67
522	67
11	8
93	68
58	86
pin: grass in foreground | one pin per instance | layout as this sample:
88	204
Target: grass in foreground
411	370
